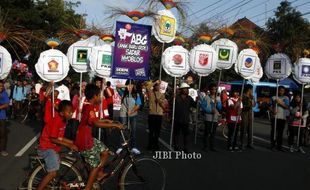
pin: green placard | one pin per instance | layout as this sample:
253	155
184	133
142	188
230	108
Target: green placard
106	60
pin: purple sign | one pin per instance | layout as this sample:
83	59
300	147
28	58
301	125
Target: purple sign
131	51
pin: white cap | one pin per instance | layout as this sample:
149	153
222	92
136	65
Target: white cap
184	85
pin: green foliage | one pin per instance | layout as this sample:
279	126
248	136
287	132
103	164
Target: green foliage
44	18
290	29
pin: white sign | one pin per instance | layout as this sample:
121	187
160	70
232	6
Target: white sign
227	51
247	63
165	26
302	70
175	61
5	63
101	60
203	59
52	65
278	66
79	53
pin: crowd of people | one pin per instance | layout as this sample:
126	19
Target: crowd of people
77	118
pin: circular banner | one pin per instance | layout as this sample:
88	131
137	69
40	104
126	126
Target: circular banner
175	61
79	53
301	71
165	26
203	59
52	65
227	51
247	63
5	63
278	66
100	60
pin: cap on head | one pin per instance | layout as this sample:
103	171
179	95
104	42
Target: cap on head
184	85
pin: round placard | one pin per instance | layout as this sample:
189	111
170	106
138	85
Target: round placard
52	65
165	26
79	53
278	66
301	71
5	63
203	59
175	61
100	60
227	51
247	63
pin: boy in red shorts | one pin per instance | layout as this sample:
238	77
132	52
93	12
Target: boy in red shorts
53	136
94	151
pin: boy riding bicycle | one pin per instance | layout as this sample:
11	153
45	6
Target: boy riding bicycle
94	151
53	136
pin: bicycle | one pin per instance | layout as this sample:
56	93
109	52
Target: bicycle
28	108
133	173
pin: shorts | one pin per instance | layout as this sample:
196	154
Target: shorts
92	156
51	159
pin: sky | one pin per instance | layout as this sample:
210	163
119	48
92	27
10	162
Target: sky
219	11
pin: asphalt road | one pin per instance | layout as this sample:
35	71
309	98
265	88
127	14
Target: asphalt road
259	169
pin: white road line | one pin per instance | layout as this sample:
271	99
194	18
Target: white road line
162	142
27	146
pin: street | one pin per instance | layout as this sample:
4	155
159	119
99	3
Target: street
251	169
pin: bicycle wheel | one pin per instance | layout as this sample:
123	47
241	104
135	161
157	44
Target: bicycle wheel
67	176
143	174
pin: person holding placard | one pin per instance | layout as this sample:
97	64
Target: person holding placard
281	114
183	105
296	116
246	115
131	103
211	106
156	109
233	119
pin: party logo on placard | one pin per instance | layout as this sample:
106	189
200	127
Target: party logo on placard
203	59
106	61
224	54
177	59
53	66
248	62
167	26
81	56
277	66
305	71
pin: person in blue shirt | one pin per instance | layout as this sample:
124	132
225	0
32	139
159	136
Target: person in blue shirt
130	105
4	104
211	106
19	95
281	114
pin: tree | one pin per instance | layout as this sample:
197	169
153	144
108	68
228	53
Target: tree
289	29
43	19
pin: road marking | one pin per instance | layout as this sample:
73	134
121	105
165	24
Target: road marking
162	142
27	146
